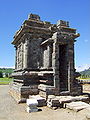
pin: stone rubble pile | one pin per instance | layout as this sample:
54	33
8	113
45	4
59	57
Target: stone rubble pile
75	103
60	101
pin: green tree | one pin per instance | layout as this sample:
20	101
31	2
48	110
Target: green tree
1	74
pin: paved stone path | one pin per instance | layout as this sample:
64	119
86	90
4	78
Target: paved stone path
10	110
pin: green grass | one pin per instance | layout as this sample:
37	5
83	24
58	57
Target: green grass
5	81
85	78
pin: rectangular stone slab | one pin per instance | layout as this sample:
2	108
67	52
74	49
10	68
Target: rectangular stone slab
32	102
31	110
41	100
77	106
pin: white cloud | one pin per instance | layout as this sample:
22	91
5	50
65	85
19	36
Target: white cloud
7	67
83	67
86	40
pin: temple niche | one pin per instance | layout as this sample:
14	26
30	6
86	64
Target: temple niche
44	62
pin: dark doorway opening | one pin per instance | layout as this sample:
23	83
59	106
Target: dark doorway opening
63	68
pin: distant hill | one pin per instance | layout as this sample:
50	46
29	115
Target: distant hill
85	73
6	70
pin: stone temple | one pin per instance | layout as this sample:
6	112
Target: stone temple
44	62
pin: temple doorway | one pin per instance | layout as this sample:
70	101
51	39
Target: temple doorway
63	67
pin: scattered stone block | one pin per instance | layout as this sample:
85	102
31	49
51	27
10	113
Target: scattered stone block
51	96
60	101
53	102
77	106
41	100
31	102
29	109
67	99
32	105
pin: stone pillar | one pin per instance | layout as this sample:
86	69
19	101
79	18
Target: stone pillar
50	47
16	58
26	53
70	65
22	55
24	45
46	57
55	62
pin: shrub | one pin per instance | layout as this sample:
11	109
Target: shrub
1	75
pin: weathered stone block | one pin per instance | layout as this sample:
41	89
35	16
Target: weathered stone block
34	109
32	105
41	100
77	106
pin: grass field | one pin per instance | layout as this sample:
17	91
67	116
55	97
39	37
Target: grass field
83	78
4	81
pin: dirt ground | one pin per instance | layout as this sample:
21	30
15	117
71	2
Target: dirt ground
10	110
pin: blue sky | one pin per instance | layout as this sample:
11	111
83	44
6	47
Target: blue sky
14	12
